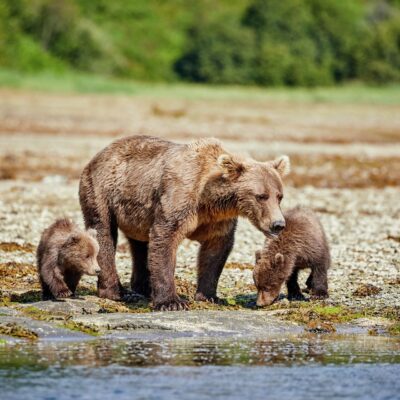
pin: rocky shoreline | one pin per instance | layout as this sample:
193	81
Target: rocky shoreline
363	227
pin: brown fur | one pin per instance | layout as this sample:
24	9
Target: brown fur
64	254
302	244
157	193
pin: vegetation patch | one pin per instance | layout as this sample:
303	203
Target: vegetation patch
394	329
241	266
30	296
18	331
366	289
18	275
63	320
79	327
12	246
319	314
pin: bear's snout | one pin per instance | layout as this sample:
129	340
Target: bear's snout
277	226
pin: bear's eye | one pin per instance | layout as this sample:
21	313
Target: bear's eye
88	256
280	197
262	197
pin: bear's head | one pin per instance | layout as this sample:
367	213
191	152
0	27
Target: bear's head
269	274
79	252
258	189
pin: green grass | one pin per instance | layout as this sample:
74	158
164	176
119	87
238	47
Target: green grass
72	82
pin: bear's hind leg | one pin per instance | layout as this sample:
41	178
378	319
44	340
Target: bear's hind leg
140	281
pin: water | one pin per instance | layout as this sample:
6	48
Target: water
309	367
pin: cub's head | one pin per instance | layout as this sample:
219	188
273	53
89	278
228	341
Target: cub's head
268	275
258	189
80	252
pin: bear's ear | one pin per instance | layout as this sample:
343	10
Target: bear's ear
279	259
282	165
230	166
92	233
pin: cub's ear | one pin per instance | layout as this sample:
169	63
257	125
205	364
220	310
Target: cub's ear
230	166
75	238
279	258
282	165
92	233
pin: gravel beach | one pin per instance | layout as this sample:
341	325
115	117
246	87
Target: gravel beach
353	187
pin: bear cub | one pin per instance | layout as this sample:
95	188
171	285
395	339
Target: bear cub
64	254
302	244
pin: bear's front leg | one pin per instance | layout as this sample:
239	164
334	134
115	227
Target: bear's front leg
108	284
162	248
211	260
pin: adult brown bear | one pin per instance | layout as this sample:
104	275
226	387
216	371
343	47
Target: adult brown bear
158	192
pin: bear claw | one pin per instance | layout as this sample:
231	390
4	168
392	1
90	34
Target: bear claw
64	294
174	305
209	299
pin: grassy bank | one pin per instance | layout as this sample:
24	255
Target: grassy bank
82	83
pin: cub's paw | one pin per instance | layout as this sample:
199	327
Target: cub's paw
63	294
177	304
210	299
296	297
133	297
319	294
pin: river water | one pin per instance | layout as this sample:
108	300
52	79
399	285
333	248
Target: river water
305	367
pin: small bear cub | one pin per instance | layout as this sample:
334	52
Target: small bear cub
302	244
64	254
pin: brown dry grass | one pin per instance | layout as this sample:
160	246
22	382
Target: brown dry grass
49	134
331	171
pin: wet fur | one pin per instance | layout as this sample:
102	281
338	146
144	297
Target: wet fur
64	254
302	244
157	193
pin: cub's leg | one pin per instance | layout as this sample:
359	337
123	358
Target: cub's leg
140	281
163	244
72	279
46	292
309	283
319	282
55	284
211	260
293	288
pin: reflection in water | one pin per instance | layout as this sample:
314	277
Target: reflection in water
308	367
192	352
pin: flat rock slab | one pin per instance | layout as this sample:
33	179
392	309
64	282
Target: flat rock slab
191	324
67	306
44	330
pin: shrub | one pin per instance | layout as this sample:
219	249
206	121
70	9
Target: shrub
217	53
